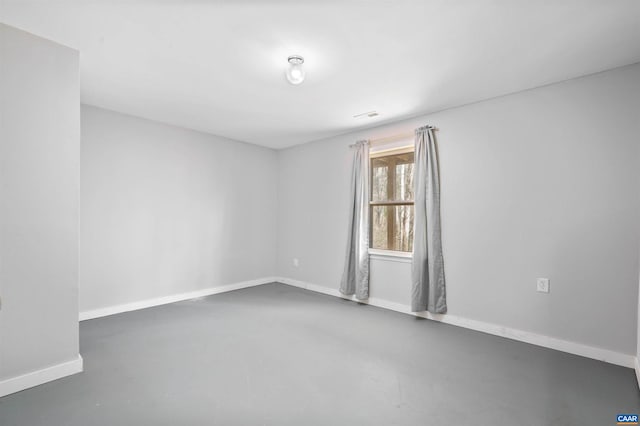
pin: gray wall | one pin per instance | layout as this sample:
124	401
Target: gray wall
165	210
39	189
542	183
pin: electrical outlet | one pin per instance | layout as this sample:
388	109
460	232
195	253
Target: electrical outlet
543	285
296	262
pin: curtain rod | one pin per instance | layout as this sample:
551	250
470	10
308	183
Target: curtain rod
392	138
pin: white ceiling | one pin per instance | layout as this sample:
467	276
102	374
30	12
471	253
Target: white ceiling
218	65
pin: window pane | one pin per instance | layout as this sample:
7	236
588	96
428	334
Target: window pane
379	227
379	176
392	177
392	227
404	182
403	228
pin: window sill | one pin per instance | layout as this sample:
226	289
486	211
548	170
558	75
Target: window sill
390	255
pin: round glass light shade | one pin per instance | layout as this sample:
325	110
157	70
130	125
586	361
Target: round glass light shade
295	72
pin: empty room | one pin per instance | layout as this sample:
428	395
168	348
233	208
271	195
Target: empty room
279	212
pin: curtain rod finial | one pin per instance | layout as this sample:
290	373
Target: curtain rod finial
427	127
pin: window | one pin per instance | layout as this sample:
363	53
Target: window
391	204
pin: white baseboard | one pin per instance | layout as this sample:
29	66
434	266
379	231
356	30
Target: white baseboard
117	309
637	368
600	354
587	351
39	377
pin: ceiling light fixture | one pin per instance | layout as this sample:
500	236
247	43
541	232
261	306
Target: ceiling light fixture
295	72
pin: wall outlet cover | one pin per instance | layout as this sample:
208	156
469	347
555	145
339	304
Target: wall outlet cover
543	285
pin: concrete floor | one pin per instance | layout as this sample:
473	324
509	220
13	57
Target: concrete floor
277	355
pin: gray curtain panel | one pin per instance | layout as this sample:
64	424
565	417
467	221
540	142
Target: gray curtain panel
355	278
427	269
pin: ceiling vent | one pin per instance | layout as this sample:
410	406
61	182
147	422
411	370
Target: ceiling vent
369	114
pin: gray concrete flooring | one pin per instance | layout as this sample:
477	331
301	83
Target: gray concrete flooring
278	355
